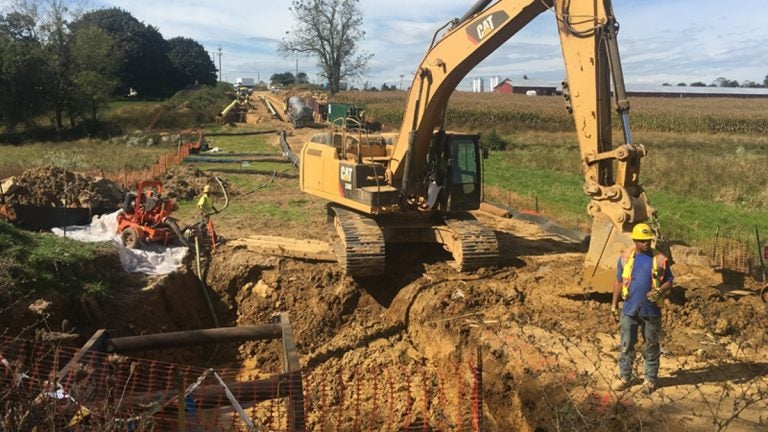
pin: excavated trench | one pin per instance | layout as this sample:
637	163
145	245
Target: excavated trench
548	352
545	350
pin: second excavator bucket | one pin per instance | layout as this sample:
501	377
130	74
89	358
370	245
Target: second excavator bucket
606	244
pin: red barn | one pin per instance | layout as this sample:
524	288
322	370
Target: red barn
526	86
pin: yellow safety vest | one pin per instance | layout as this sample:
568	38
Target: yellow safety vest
205	204
657	272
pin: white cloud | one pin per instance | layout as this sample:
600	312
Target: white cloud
660	40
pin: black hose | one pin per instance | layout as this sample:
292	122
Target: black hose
171	222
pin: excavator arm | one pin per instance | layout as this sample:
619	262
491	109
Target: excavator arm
587	30
449	59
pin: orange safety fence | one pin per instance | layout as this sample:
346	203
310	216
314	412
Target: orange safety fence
736	251
102	391
189	141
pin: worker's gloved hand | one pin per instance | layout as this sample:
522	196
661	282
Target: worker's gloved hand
653	295
616	313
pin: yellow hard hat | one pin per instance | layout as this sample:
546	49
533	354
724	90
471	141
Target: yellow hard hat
642	231
207	188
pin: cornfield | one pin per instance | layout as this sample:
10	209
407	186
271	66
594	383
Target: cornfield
480	111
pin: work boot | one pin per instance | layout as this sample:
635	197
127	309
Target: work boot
621	384
649	386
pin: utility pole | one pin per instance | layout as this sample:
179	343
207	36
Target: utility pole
401	81
219	62
296	77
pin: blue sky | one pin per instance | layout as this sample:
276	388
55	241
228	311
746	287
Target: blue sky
660	40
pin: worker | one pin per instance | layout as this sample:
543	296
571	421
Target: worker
643	280
207	209
205	204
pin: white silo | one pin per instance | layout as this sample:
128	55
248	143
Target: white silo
493	82
477	85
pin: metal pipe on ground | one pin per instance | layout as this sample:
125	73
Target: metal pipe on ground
228	108
270	107
193	337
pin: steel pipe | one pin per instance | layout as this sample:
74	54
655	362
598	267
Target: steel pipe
193	337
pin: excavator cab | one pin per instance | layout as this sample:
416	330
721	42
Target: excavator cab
463	184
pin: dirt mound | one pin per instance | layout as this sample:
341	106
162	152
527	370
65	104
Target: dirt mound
50	186
186	183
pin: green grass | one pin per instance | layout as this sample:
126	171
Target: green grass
38	262
286	212
241	129
244	143
81	155
688	188
692	220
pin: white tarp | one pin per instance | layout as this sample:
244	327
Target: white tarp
153	259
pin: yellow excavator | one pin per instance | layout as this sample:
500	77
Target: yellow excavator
419	185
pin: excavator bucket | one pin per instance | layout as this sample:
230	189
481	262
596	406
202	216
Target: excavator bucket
605	246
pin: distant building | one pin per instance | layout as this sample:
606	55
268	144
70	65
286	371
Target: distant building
650	90
526	86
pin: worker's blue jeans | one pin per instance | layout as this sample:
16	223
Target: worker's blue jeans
651	328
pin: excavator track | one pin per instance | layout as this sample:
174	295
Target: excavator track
474	245
361	250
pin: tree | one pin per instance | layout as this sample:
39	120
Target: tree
330	31
681	84
145	65
191	63
284	79
58	59
751	84
725	82
21	63
302	78
95	68
698	84
765	81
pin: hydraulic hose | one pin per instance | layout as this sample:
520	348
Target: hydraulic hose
224	190
202	283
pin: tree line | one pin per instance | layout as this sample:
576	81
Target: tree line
67	65
724	82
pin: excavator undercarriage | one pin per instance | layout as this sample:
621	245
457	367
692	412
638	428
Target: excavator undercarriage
362	239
